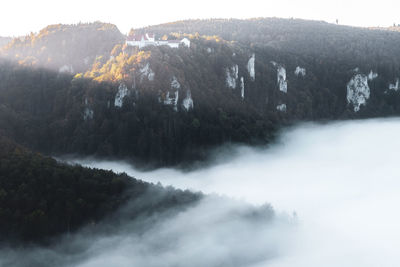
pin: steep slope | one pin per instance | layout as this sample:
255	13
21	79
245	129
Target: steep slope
317	63
57	113
42	198
302	37
65	48
163	105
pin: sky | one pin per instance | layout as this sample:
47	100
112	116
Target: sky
20	17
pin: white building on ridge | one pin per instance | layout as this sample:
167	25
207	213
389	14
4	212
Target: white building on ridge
143	40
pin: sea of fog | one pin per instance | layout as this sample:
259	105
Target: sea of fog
341	180
334	189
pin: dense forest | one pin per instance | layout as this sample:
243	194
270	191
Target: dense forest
41	198
81	89
321	40
66	48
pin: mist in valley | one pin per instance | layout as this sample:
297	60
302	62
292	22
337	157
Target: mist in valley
217	231
340	180
322	195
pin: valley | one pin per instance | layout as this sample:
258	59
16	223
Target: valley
201	142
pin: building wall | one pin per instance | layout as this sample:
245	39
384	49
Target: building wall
143	43
173	45
186	42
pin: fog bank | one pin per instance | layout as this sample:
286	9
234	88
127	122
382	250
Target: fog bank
342	179
215	232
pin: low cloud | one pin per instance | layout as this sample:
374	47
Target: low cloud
341	179
217	231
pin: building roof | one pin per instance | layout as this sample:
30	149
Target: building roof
150	35
138	37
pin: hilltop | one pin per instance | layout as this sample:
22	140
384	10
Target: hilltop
67	48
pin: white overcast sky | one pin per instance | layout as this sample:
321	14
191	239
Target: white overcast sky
19	17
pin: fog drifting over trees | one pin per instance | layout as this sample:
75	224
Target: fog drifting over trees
341	179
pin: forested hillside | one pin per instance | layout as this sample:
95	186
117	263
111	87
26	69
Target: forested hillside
65	48
61	114
42	198
239	81
321	40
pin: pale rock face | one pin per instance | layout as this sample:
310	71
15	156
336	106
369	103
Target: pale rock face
88	114
281	107
66	69
168	100
300	71
358	91
281	76
251	67
146	71
187	103
175	84
176	100
394	86
281	73
232	74
119	97
172	100
372	75
242	87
